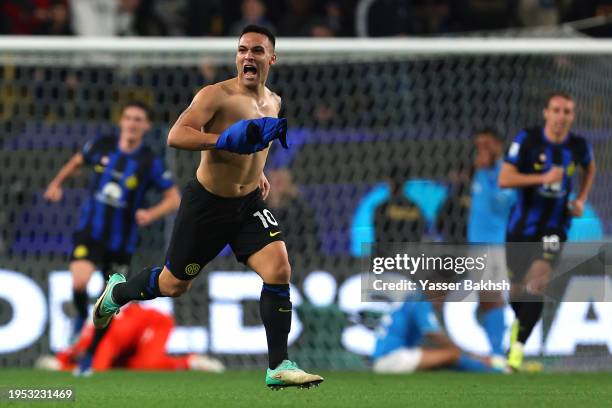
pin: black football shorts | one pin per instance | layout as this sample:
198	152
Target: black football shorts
95	251
546	246
206	223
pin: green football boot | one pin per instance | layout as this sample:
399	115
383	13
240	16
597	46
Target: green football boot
105	307
288	374
516	353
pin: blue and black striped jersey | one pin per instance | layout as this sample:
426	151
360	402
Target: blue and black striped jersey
544	207
117	188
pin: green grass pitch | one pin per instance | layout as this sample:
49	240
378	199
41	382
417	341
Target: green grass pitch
340	389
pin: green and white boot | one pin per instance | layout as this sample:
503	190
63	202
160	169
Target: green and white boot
288	374
105	307
516	353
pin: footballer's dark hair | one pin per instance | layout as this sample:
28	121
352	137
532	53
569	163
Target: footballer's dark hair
559	94
490	131
252	28
137	104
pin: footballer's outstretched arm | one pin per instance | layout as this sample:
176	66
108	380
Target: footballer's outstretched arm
186	133
54	190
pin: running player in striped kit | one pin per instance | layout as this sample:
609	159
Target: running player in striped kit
106	237
540	164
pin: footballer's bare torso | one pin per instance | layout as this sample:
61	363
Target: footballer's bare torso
229	174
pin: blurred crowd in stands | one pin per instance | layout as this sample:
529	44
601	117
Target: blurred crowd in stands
297	18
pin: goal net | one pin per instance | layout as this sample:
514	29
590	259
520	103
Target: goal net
357	110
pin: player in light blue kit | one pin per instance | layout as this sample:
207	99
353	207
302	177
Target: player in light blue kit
411	338
488	217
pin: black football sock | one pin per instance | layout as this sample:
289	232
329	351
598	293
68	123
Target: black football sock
275	310
80	300
528	315
98	336
516	306
143	286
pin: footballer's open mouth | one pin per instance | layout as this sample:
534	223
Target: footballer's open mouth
249	71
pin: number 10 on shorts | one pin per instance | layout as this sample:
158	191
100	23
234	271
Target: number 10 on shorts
266	217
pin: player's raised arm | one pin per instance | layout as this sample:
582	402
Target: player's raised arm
186	133
54	190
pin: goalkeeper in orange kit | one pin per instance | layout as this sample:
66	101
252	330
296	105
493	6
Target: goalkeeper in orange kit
136	340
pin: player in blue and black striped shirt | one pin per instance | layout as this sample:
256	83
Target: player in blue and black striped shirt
123	170
540	164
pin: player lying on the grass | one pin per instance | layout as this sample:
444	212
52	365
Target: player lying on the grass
232	124
106	237
540	164
136	339
411	339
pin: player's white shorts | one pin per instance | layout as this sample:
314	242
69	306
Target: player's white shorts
496	270
401	361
